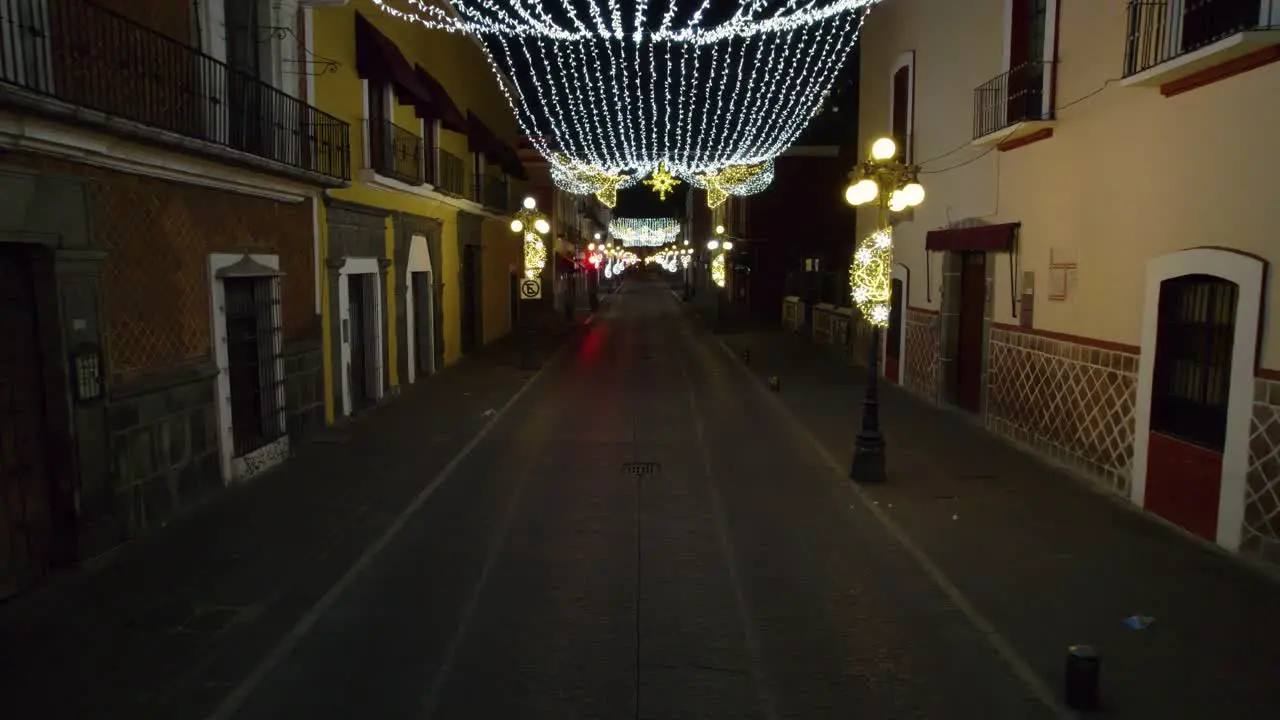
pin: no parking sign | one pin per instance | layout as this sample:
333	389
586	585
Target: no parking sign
531	288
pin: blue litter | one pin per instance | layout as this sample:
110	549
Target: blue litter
1139	622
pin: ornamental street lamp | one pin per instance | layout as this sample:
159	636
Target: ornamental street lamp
531	225
893	186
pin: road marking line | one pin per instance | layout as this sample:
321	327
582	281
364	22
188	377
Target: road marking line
234	700
1020	667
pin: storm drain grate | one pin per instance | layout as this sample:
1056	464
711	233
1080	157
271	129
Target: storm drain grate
640	469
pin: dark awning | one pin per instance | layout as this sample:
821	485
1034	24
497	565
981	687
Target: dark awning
985	238
378	58
481	139
443	108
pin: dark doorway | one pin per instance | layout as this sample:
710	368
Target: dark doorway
470	298
244	34
422	325
514	300
1189	400
1207	21
26	523
256	388
360	316
893	339
1027	36
969	345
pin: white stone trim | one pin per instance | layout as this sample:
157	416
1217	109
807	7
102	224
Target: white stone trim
1249	274
419	262
905	60
89	147
236	469
358	266
903	273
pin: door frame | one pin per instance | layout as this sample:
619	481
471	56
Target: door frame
358	266
901	273
1249	274
419	261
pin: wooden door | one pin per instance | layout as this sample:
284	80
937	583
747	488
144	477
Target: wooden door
26	526
470	289
893	338
423	325
973	307
358	342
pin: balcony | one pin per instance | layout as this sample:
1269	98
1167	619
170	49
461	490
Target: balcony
76	61
395	152
1014	104
1174	39
452	175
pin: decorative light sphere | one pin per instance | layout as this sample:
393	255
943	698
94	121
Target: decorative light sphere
897	203
861	192
530	203
713	244
597	236
884	149
517	226
913	194
542	226
728	245
592	246
719	229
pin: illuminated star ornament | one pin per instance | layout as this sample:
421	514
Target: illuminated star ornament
612	93
662	181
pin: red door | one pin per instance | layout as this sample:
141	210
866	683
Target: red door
973	306
893	339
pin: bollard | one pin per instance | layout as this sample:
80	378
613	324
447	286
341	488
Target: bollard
774	383
1080	686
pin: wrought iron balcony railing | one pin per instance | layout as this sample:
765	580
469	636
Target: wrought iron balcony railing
1161	31
1015	96
495	193
76	53
452	174
395	152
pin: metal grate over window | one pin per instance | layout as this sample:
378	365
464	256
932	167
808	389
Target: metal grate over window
1193	359
254	362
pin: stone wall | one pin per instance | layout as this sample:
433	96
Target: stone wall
1262	491
920	367
163	447
304	390
1071	400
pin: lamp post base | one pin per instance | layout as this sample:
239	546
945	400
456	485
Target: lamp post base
530	359
868	448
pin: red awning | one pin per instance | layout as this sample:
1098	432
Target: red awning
443	108
984	238
378	58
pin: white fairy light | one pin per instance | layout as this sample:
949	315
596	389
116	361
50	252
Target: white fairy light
586	90
644	232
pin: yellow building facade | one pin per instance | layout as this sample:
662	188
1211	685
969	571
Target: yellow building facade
1087	272
417	261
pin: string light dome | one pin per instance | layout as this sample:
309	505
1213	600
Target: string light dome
644	232
706	92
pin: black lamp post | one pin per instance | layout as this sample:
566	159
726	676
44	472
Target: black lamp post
893	186
531	226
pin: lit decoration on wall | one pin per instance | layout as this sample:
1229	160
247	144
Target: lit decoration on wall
717	270
611	95
870	276
644	232
662	181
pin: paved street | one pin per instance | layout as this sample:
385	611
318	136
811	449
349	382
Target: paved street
643	533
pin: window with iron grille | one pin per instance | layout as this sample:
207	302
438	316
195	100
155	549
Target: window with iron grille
1193	359
254	364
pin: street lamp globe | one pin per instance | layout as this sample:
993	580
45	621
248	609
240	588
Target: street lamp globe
897	201
530	203
861	192
542	226
597	236
883	149
719	229
728	245
713	244
516	226
591	247
913	194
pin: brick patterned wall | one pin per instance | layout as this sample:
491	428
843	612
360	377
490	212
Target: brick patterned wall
1262	490
159	235
1073	401
920	372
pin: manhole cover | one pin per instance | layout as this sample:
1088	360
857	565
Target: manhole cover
640	469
